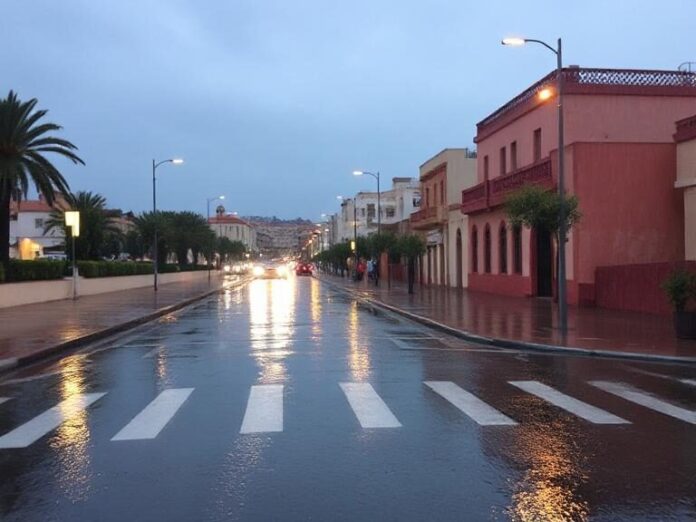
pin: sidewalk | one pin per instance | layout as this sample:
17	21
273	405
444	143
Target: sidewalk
34	331
530	320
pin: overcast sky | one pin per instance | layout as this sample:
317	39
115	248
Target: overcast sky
274	103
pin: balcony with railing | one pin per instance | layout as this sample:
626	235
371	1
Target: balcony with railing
493	192
429	217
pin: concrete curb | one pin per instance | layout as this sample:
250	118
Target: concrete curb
14	363
508	343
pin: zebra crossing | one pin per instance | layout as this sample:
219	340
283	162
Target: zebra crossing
264	409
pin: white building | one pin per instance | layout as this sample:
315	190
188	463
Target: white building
234	229
396	205
27	238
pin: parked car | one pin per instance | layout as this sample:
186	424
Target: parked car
303	269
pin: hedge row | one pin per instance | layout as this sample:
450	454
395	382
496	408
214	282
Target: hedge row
39	270
43	269
112	268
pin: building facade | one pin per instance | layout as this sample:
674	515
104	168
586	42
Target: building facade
685	139
234	229
620	161
441	175
27	237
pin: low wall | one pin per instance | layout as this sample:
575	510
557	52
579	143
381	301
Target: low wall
28	292
636	287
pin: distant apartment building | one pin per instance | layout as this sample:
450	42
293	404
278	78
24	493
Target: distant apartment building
621	161
359	214
440	178
27	238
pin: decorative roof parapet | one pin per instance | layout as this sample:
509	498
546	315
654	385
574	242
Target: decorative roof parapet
578	80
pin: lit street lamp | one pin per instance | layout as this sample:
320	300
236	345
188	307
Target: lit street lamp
545	94
72	220
379	208
175	161
208	202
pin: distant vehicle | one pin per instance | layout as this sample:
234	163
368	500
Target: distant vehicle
55	256
303	269
270	272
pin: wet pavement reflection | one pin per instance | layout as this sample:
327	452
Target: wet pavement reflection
386	447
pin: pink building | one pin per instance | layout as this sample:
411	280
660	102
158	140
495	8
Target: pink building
620	161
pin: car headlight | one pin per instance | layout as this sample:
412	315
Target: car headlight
227	268
258	270
283	270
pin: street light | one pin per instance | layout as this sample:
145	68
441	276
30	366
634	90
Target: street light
175	161
558	51
72	220
208	202
379	208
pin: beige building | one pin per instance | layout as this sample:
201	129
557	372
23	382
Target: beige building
443	177
234	229
685	138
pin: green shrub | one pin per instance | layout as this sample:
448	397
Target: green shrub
91	269
2	274
36	270
680	287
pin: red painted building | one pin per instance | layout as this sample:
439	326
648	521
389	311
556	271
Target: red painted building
620	161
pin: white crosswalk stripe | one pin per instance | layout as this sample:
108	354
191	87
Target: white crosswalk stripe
469	404
576	407
30	432
647	400
264	411
148	423
368	406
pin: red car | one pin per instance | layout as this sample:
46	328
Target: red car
303	269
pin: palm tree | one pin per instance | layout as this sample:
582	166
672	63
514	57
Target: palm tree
97	225
23	142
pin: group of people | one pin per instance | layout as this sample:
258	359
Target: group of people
371	267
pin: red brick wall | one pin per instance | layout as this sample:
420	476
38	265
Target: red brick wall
635	287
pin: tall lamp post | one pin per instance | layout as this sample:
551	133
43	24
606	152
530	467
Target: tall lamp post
155	164
208	202
562	304
379	206
72	220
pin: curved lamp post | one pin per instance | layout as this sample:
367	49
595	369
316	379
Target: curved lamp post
155	164
379	207
558	51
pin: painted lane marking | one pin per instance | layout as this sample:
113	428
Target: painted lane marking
368	406
469	404
569	404
690	382
264	411
4	399
645	399
150	421
30	432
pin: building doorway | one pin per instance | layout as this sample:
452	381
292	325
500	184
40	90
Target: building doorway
459	259
429	269
544	262
443	275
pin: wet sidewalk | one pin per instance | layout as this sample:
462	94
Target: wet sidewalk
532	320
33	331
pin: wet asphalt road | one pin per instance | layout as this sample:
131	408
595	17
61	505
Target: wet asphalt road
286	400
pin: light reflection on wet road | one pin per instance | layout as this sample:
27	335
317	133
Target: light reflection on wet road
439	460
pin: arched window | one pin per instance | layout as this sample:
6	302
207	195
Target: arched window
474	250
487	249
502	248
517	249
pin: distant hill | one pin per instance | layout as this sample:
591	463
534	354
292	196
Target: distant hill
276	221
